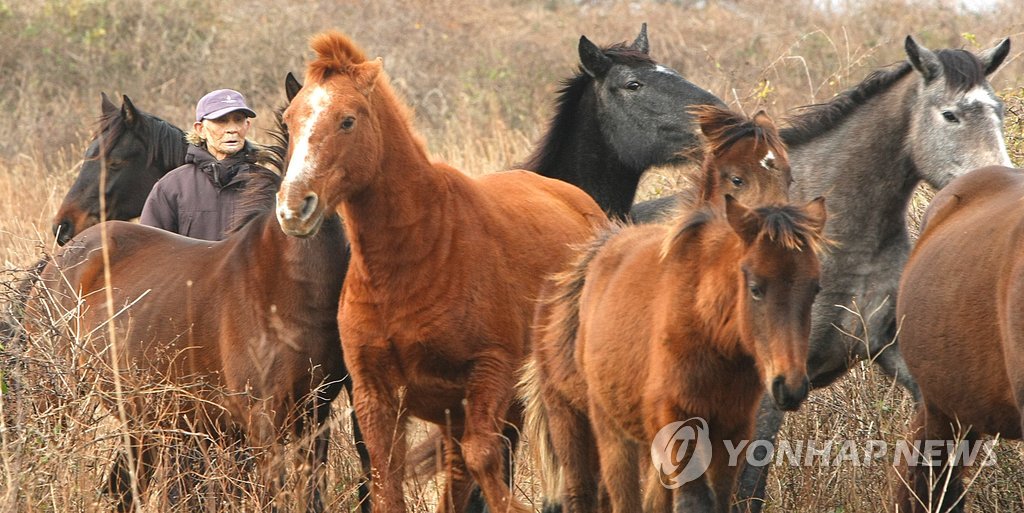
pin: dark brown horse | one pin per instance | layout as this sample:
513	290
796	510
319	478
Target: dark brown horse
961	304
592	310
136	149
438	298
247	325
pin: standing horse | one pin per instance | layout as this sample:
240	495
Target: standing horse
137	149
962	338
619	115
741	156
437	304
932	118
711	312
248	324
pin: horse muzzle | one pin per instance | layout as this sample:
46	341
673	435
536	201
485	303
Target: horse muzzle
787	397
300	218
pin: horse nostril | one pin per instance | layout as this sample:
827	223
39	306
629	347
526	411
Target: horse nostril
308	206
63	232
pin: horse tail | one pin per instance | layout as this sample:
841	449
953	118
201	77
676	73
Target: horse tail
558	321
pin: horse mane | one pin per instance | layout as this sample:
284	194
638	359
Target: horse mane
566	116
785	225
336	53
961	69
260	193
111	125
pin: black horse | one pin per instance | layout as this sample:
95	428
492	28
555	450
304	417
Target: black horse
137	149
619	115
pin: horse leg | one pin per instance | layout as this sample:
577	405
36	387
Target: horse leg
477	502
573	441
364	455
750	491
891	362
657	498
619	455
933	482
459	485
119	482
488	399
383	420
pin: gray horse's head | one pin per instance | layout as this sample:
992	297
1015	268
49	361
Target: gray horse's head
642	104
957	124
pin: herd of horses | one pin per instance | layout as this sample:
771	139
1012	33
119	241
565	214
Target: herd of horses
543	301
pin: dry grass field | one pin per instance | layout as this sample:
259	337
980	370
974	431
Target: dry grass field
481	76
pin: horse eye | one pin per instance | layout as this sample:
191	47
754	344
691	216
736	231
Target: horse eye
348	123
633	85
950	116
737	181
756	292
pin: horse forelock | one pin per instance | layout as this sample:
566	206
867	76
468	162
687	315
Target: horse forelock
621	53
962	70
790	227
110	126
336	53
722	128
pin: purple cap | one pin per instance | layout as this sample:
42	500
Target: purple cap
220	102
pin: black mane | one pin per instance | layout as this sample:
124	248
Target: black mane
962	71
167	139
260	192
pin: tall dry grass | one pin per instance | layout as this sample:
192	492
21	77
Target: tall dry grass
481	77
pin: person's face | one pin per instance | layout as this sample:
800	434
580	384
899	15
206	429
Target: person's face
225	135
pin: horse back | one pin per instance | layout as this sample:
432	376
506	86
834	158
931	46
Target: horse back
961	299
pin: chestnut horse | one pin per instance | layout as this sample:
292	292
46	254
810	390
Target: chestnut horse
742	156
963	338
247	324
711	313
435	315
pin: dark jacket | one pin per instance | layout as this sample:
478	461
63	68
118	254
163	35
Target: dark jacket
199	198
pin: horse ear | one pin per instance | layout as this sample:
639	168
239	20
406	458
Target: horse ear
763	120
641	44
595	62
923	60
993	57
291	86
128	111
739	218
816	212
105	104
365	75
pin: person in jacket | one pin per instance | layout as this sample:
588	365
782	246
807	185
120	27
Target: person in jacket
199	198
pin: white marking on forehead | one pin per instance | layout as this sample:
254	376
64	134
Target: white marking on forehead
981	95
662	69
302	160
768	160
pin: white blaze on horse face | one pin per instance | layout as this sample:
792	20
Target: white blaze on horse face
987	98
662	69
302	159
768	162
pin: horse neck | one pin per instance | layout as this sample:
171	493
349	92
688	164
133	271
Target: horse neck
864	168
397	223
578	153
310	265
707	286
169	145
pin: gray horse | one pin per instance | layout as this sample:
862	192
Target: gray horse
932	118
